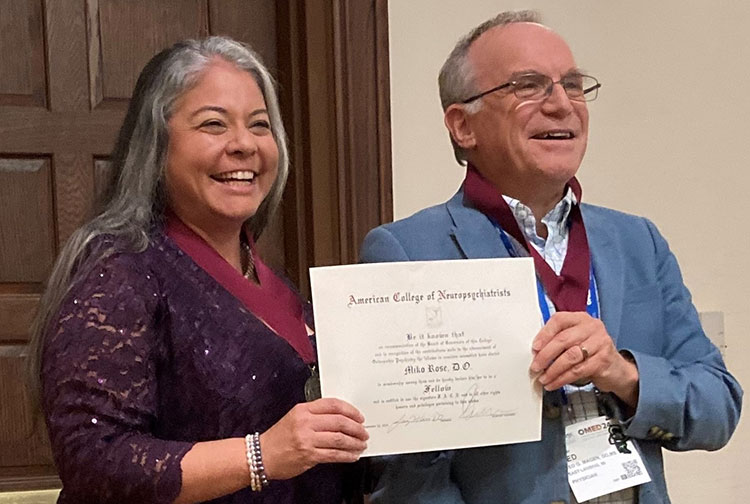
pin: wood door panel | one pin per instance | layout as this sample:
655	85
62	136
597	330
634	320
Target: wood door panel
116	56
27	237
74	191
251	21
22	440
27	130
16	314
65	22
22	71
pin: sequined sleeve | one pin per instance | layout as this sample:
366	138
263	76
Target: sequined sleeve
100	389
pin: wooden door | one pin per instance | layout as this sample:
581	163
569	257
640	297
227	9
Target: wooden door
67	69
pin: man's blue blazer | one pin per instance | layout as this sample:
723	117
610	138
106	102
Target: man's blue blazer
687	398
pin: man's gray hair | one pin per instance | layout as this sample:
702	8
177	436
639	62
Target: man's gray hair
456	79
134	200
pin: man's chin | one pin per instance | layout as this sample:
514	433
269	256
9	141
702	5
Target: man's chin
557	173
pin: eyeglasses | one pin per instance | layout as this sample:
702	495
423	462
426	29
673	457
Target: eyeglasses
535	86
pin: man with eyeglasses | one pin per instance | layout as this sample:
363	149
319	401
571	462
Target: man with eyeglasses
622	341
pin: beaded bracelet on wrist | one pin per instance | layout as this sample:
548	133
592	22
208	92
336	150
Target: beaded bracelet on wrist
258	479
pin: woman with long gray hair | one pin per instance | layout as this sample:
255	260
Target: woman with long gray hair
170	362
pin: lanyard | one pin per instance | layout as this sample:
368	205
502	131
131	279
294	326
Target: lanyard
568	290
592	302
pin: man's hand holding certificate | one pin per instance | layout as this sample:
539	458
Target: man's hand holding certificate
434	354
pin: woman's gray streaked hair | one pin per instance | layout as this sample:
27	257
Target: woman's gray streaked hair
456	78
134	199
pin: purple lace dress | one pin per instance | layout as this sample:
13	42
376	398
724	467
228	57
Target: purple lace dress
149	355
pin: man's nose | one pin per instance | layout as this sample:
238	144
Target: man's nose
556	99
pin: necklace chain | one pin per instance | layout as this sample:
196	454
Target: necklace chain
248	263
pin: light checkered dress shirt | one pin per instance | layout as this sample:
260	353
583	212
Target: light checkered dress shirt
582	403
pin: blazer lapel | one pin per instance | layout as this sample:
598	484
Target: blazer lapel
477	238
473	232
608	270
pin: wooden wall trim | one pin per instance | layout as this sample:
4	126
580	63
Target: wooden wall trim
363	120
335	92
292	79
383	79
28	479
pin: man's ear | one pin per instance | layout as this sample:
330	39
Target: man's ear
457	121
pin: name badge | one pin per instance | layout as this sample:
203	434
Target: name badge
601	459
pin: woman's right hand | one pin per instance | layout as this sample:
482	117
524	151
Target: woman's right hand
322	431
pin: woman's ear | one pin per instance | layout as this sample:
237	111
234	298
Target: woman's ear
457	121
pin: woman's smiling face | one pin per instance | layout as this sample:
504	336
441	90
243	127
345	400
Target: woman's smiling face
222	158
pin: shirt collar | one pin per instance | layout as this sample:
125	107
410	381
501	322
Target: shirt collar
556	219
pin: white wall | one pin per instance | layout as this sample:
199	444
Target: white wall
667	140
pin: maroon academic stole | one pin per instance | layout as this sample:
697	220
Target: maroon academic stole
569	290
272	301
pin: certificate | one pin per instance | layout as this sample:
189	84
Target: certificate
435	354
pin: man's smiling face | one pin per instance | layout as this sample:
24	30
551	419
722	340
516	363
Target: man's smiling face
525	141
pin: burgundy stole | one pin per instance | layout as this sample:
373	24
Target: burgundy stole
569	290
273	302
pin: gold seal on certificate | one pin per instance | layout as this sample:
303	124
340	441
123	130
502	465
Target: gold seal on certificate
434	354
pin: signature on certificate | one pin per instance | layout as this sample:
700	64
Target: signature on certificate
407	419
471	409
